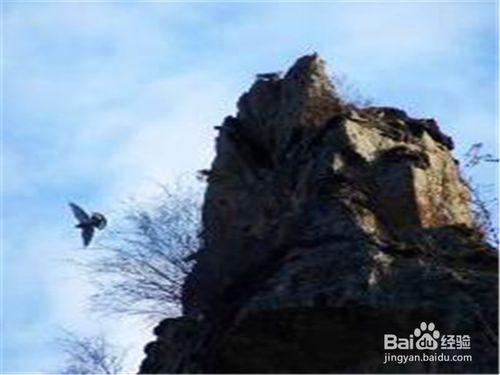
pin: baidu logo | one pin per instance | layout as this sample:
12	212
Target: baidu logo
434	345
427	336
424	337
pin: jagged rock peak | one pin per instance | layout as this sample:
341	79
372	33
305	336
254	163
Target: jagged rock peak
326	226
303	97
308	64
311	69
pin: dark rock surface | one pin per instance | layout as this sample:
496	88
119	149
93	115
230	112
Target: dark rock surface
327	226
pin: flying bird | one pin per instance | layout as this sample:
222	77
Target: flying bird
87	223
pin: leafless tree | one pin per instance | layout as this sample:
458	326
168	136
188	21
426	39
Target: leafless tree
142	262
348	91
89	355
484	200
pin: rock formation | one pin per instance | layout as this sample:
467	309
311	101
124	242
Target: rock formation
326	226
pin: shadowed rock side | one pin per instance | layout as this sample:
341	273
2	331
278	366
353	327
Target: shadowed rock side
325	227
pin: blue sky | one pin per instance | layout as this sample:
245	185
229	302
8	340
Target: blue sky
102	101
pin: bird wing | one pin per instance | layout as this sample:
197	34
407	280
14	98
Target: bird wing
87	234
79	213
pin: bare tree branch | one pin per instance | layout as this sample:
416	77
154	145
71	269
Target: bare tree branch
348	92
141	264
89	355
483	199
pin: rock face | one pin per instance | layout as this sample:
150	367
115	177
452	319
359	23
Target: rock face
326	226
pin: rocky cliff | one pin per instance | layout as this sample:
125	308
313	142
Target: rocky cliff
325	227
